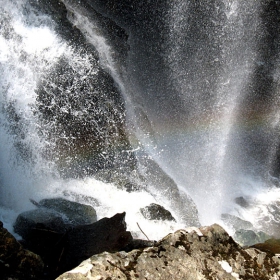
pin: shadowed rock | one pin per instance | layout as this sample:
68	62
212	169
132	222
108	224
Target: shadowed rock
15	262
64	233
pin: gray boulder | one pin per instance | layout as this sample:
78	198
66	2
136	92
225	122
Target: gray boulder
75	213
156	212
197	254
54	214
48	230
250	237
159	184
241	201
27	221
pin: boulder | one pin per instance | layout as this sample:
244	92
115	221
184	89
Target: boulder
63	246
28	221
75	213
241	201
156	212
160	184
108	234
250	237
195	254
54	214
16	262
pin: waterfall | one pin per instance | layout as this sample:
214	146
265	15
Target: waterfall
203	79
169	102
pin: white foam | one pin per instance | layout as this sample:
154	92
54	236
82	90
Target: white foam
111	201
35	39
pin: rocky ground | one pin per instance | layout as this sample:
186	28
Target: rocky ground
205	253
62	236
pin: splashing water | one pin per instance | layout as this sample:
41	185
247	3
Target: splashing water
201	99
31	48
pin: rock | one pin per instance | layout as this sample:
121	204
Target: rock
54	215
138	244
241	201
27	221
74	212
108	234
64	233
250	237
159	184
206	253
63	246
235	222
79	149
16	262
271	245
81	197
156	212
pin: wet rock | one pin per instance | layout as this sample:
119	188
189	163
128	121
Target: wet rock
235	222
108	234
241	201
156	212
56	215
250	237
205	253
159	184
81	197
64	233
28	221
16	262
94	139
74	212
63	246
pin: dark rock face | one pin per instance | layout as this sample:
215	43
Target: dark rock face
108	234
205	253
156	212
83	118
63	245
15	262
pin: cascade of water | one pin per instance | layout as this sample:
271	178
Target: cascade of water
203	79
210	78
22	46
200	81
59	109
191	75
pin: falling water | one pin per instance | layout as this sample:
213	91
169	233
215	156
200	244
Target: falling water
103	102
204	80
